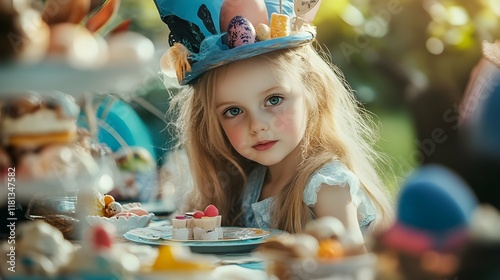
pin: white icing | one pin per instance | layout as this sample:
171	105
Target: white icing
210	235
180	233
179	223
220	232
40	121
197	231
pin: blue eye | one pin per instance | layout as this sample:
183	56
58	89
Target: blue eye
232	112
274	100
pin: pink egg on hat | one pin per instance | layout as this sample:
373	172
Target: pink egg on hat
240	32
254	10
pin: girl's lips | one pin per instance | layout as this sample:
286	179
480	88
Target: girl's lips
264	145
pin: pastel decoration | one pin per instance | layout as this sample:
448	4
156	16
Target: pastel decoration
306	9
254	11
101	237
240	32
113	208
434	209
280	25
263	32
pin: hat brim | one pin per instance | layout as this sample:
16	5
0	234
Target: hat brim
216	57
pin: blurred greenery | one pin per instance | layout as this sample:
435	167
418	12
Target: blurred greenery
391	51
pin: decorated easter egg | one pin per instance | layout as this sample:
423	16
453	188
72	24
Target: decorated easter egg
254	10
138	211
113	208
263	32
240	32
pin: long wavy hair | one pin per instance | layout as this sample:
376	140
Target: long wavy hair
337	128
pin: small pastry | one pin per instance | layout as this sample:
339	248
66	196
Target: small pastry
293	246
326	227
280	25
210	235
134	159
32	120
180	233
179	222
197	232
209	223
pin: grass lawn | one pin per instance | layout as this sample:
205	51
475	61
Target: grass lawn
397	141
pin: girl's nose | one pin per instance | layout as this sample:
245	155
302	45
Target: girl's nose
258	124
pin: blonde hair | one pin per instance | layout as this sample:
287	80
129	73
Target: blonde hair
337	128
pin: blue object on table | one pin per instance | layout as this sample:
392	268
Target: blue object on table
434	209
435	199
122	118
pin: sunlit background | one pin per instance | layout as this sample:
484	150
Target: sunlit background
391	51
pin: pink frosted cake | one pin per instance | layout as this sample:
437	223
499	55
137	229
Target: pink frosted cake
201	225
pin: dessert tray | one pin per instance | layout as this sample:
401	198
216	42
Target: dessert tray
236	239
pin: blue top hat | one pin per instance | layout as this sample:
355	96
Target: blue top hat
212	33
434	210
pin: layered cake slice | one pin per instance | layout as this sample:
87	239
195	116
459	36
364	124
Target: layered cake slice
200	225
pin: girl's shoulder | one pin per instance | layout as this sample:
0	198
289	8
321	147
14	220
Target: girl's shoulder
333	173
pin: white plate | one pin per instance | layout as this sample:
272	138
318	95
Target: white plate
229	234
162	235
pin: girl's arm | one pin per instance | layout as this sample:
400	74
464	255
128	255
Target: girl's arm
336	201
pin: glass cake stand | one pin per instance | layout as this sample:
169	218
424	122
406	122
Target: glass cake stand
51	74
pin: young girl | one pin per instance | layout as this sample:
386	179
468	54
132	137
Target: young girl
277	139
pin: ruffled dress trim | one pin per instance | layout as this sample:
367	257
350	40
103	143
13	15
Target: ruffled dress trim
335	173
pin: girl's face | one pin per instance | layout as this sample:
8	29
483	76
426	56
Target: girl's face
262	114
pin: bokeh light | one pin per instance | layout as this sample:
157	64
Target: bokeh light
434	45
352	16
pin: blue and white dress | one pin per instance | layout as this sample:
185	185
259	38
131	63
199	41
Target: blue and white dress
335	174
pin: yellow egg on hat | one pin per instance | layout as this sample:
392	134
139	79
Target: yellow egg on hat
253	10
